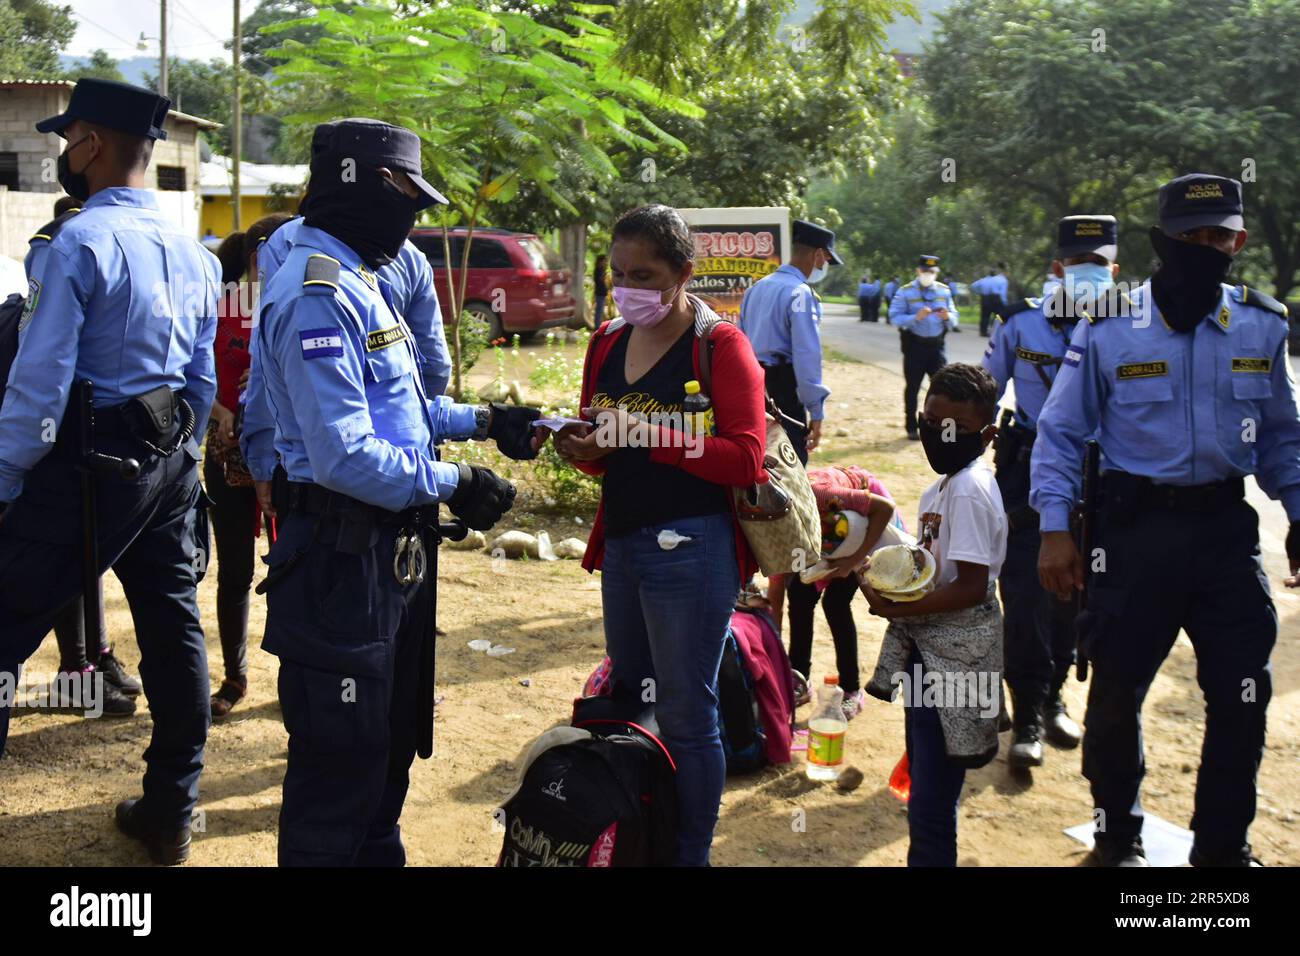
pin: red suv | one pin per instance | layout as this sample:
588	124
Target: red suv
517	283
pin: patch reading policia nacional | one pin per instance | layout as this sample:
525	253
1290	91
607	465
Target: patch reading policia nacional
319	343
33	296
1142	370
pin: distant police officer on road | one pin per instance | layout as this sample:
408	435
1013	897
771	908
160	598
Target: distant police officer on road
923	311
1187	395
781	315
350	596
992	290
128	301
1028	344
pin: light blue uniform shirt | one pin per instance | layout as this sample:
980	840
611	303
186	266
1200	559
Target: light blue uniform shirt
414	293
338	365
123	297
911	299
1178	408
415	297
890	288
991	285
867	290
781	314
1021	346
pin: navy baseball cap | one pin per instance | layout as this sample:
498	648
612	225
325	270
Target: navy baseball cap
376	143
1200	199
119	106
1078	235
928	262
817	237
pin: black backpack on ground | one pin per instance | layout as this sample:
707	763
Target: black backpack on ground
608	798
744	742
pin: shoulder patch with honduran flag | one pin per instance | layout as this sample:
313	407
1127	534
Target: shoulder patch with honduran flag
1073	356
320	343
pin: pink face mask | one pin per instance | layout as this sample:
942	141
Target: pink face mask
642	307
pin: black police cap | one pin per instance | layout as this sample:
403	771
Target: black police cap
119	106
816	237
1200	199
928	262
373	142
1079	235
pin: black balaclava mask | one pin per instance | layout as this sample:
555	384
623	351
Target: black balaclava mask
369	213
948	457
1186	287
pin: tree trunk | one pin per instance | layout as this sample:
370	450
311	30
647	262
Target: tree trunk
573	248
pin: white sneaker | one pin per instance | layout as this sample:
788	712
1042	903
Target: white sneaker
853	704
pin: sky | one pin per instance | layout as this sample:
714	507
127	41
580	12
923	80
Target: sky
196	29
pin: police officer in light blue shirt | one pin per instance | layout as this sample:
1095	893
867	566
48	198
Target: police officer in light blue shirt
923	311
992	290
869	298
1027	347
350	583
1187	394
781	315
414	296
78	652
124	299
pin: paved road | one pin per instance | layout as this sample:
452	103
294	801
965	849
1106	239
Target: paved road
877	344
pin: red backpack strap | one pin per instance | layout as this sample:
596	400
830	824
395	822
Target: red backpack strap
602	340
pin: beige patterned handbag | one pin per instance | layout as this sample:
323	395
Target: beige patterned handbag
779	517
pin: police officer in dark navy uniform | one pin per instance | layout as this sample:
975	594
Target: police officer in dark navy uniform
127	301
350	585
1187	394
923	312
1028	344
79	652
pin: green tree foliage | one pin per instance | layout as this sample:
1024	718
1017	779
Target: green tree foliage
32	33
1087	106
496	95
206	90
100	66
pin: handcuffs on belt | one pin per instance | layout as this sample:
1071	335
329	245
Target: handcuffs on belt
409	559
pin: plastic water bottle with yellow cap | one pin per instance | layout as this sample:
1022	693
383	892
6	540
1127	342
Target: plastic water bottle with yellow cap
826	729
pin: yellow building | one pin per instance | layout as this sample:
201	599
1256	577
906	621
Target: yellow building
263	189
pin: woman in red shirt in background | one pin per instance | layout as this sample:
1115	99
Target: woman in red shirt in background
236	518
665	537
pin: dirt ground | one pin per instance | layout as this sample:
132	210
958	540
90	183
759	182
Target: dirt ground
63	774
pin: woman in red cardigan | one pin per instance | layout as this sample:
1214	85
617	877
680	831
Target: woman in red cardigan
665	538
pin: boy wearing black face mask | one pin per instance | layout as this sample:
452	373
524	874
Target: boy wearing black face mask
949	642
1186	395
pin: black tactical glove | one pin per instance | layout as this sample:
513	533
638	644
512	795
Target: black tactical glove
481	497
1293	543
511	428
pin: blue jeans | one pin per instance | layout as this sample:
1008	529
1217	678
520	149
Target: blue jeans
936	788
666	616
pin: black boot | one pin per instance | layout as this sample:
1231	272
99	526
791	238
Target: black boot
165	848
1240	857
115	674
1027	745
1058	727
1125	853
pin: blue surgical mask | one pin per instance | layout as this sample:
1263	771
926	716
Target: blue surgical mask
1087	282
818	274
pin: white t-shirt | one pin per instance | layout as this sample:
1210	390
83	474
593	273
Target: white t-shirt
962	519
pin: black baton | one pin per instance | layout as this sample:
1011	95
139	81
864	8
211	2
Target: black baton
92	464
425	689
1087	541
